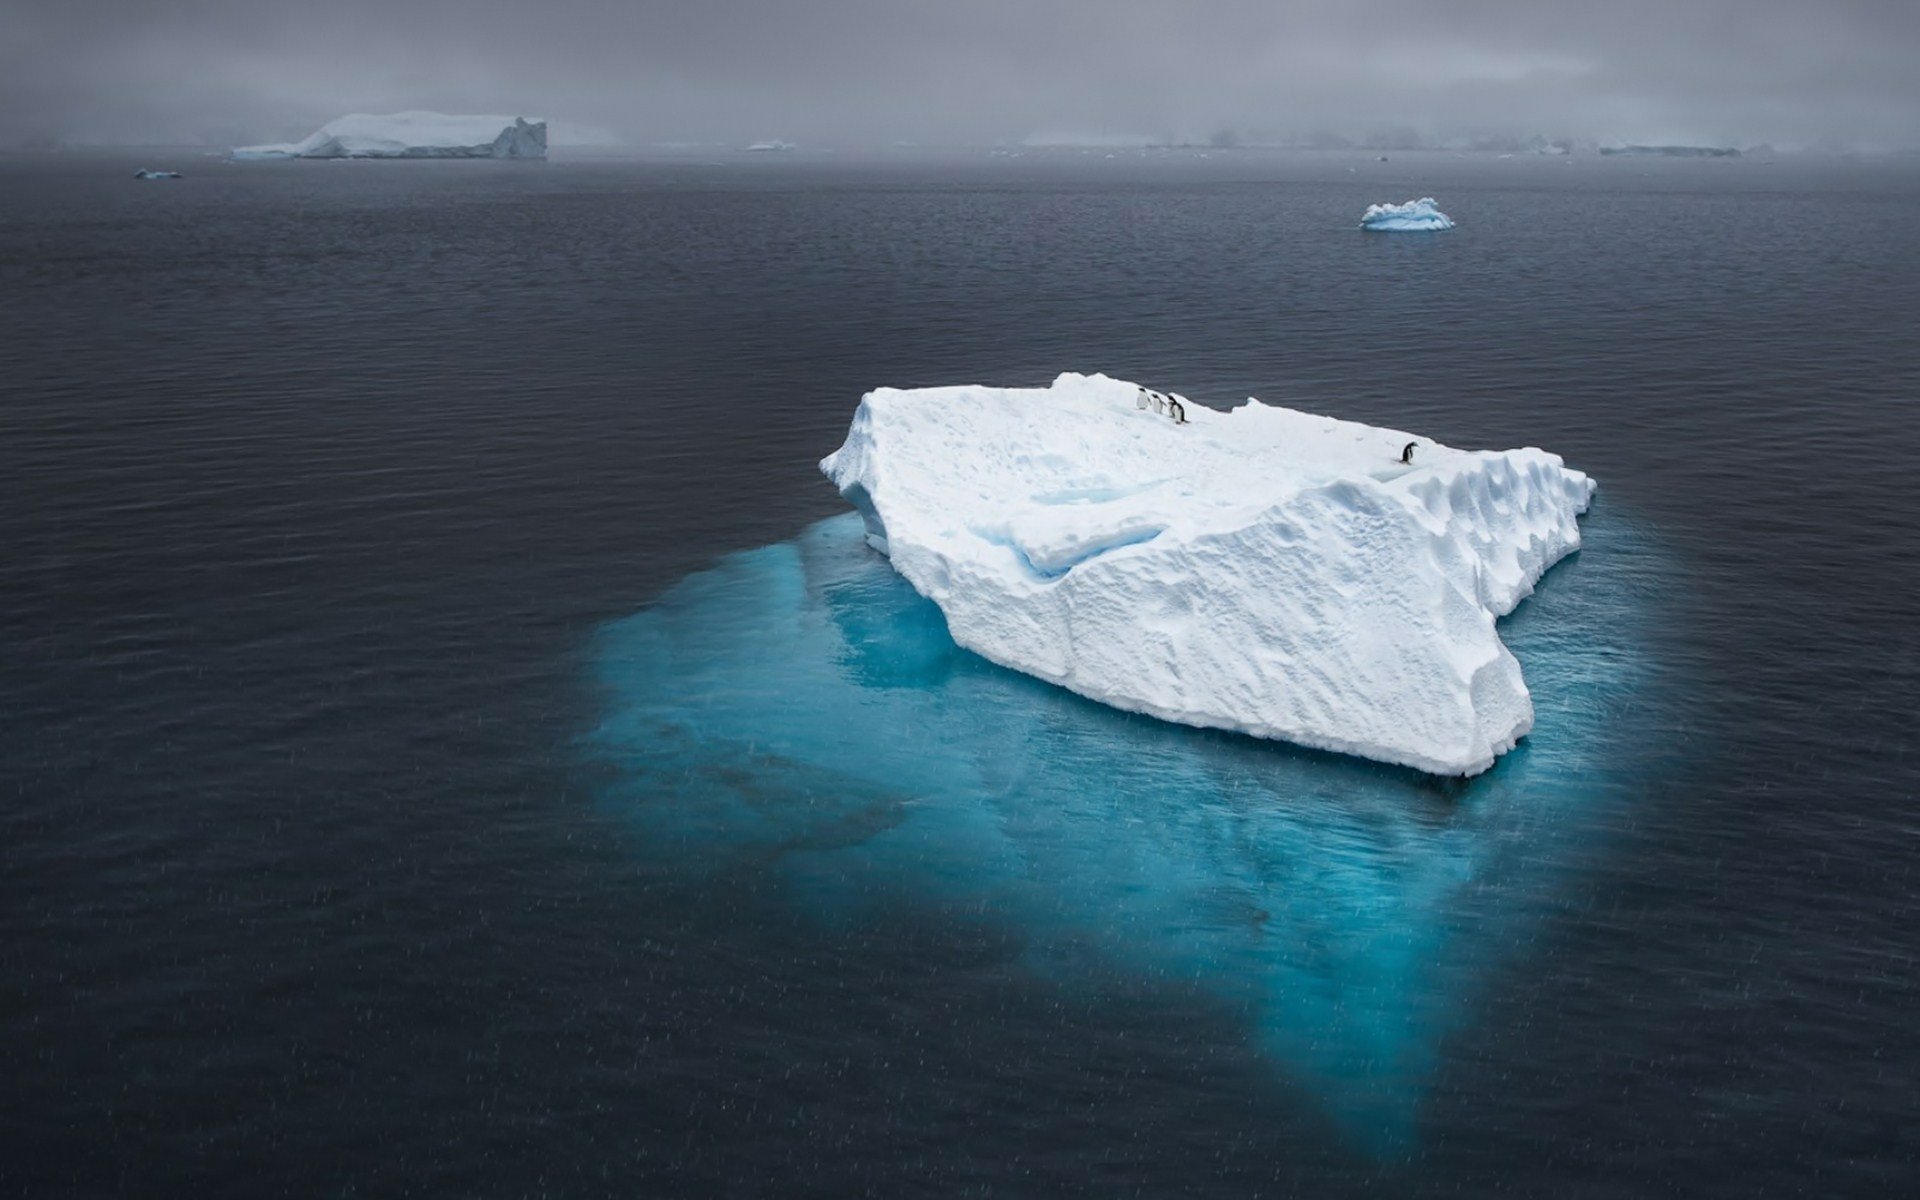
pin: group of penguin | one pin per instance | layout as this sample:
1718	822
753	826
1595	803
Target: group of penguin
1167	405
1144	398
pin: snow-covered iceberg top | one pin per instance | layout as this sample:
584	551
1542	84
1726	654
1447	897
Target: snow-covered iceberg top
1263	570
1415	216
412	135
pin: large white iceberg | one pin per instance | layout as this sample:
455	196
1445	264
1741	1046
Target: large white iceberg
1263	570
412	135
1415	216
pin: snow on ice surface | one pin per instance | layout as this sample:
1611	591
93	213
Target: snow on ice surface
1261	570
413	135
795	729
1415	216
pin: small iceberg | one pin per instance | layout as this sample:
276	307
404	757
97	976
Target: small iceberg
776	146
1415	216
143	173
1272	572
411	135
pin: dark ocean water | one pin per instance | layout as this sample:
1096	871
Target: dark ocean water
443	755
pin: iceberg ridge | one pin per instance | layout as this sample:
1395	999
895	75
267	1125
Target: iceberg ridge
1263	570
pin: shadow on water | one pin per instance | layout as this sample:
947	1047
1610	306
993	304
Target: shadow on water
800	707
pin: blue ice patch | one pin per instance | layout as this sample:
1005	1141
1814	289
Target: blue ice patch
800	707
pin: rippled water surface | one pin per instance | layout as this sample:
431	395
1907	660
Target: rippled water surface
445	751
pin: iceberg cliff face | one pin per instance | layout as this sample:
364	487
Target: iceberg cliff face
412	135
1261	570
1415	216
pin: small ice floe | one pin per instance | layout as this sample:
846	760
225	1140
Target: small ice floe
1415	216
143	173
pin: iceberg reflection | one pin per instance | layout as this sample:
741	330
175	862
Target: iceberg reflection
802	707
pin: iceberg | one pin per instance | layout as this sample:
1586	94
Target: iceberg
1262	570
412	135
1415	216
145	173
1672	151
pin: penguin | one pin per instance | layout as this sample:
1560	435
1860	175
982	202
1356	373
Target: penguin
1159	403
1406	456
1140	399
1177	410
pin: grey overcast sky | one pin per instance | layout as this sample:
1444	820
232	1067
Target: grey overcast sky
937	71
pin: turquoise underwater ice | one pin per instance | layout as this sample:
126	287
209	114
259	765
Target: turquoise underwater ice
801	707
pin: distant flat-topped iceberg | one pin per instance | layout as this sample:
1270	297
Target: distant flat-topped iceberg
1672	151
1415	216
412	135
1264	570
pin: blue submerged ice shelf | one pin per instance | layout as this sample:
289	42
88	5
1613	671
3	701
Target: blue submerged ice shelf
800	706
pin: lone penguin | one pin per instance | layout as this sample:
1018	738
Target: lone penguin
1406	456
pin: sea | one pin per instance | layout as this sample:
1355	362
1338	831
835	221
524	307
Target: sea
453	741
